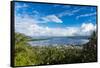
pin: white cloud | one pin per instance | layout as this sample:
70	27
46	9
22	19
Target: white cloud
52	18
87	28
35	12
69	13
85	15
30	27
36	30
18	6
64	6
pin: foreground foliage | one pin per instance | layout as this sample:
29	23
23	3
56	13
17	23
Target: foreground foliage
90	49
43	55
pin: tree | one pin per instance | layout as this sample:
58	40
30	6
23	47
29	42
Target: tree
90	49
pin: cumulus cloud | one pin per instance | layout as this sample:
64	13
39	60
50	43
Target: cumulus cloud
36	30
31	28
87	29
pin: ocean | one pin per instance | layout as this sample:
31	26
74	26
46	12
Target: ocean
55	41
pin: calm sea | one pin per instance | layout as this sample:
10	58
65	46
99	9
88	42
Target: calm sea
60	41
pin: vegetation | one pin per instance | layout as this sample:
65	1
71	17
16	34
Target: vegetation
90	49
43	55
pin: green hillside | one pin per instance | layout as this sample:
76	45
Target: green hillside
43	55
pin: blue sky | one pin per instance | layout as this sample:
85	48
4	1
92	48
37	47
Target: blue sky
38	19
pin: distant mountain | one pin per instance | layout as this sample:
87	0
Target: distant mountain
79	37
76	37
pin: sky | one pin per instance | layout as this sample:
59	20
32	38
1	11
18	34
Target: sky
41	19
